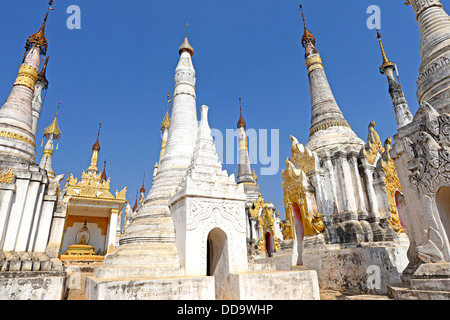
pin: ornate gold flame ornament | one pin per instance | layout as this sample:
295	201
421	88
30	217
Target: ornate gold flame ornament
7	177
373	146
294	192
392	184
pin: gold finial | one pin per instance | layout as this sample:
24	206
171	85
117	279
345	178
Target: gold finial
165	124
254	175
143	187
39	37
386	62
187	25
53	128
104	177
241	123
307	37
96	145
41	77
186	46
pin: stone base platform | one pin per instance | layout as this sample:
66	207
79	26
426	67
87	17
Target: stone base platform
32	285
273	285
431	281
169	288
358	268
402	292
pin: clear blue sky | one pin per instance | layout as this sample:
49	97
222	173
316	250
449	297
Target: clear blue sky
119	67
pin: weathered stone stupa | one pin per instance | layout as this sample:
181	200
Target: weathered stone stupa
421	154
338	197
28	193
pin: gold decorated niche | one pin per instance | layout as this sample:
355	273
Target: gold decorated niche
266	220
294	192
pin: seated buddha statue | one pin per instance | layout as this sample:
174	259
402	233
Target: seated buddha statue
82	248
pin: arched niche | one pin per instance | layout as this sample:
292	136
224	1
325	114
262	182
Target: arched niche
298	228
443	206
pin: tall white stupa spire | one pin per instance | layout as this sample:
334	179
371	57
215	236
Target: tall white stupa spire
152	224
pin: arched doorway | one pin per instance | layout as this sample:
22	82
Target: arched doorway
298	228
269	244
443	206
217	264
400	204
217	255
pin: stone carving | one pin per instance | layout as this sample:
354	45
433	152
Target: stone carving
202	210
443	61
430	163
420	5
431	249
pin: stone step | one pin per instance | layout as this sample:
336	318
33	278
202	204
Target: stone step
138	271
261	267
400	292
367	297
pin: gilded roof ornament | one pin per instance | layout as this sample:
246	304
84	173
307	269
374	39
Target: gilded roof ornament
143	186
104	177
41	77
166	121
39	37
53	128
186	47
254	175
96	145
241	123
386	62
307	37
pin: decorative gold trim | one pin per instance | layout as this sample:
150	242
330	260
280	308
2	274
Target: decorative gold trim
17	137
7	177
48	153
314	67
313	60
327	124
111	248
102	222
27	76
243	145
66	257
